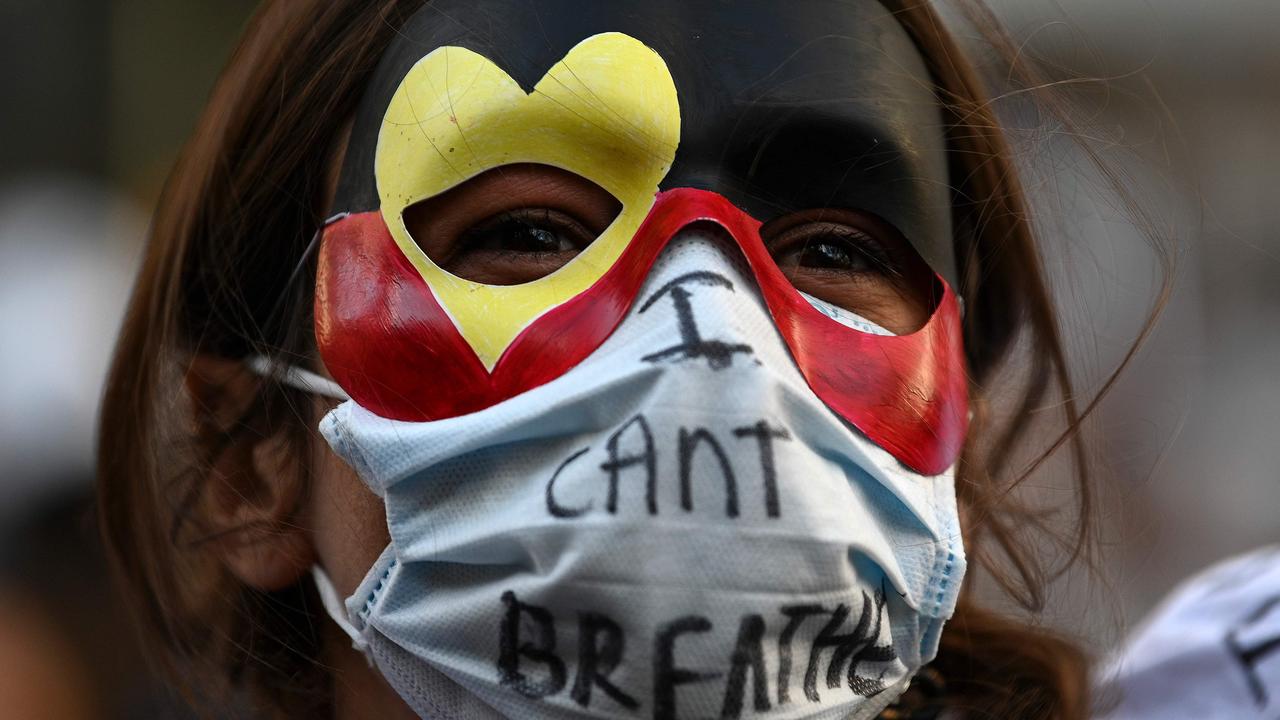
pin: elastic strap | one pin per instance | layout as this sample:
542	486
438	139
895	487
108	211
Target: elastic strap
296	377
336	610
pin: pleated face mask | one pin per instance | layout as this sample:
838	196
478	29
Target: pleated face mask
658	480
676	528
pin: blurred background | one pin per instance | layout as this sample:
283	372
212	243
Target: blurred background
1182	97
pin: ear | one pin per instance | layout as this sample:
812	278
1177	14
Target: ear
254	482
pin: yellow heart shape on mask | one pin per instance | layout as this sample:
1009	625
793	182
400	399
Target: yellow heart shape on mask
608	111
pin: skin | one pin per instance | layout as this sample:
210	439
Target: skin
268	546
505	227
342	526
783	106
41	673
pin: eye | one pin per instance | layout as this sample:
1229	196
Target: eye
830	247
856	261
512	224
528	230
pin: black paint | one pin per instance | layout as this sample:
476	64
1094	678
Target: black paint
666	675
527	635
542	650
632	446
748	656
617	463
871	653
853	647
555	508
784	105
600	648
1253	655
690	441
692	346
765	435
827	638
846	646
796	615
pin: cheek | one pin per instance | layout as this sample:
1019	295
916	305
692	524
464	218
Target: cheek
891	305
899	311
349	521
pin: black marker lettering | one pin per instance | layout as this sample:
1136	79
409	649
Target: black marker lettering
719	354
600	647
765	436
666	676
689	442
797	614
510	650
1250	657
616	464
845	646
555	508
748	654
870	652
823	640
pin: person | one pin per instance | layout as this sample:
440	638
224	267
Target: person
651	347
1211	649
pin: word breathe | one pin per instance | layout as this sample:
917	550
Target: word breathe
531	663
631	450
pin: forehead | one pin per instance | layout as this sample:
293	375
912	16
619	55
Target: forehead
784	105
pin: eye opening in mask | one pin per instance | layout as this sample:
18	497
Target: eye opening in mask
857	261
512	224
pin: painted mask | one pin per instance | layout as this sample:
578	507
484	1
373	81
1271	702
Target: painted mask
730	114
656	480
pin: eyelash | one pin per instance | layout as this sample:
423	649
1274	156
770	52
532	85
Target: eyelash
536	218
857	240
792	239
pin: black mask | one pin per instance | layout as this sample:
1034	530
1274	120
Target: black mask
785	105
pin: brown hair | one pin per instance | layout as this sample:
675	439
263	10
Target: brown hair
228	271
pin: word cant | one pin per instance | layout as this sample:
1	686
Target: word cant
631	452
531	663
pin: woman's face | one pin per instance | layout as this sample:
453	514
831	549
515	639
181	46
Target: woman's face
504	197
819	121
528	220
505	193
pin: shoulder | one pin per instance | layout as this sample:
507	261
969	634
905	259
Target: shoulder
1210	650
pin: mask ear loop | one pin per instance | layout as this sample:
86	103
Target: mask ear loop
296	377
291	375
335	609
307	381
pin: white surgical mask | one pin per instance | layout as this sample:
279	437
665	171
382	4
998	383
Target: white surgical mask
672	529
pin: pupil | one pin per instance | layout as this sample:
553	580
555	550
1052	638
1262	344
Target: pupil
826	255
534	239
